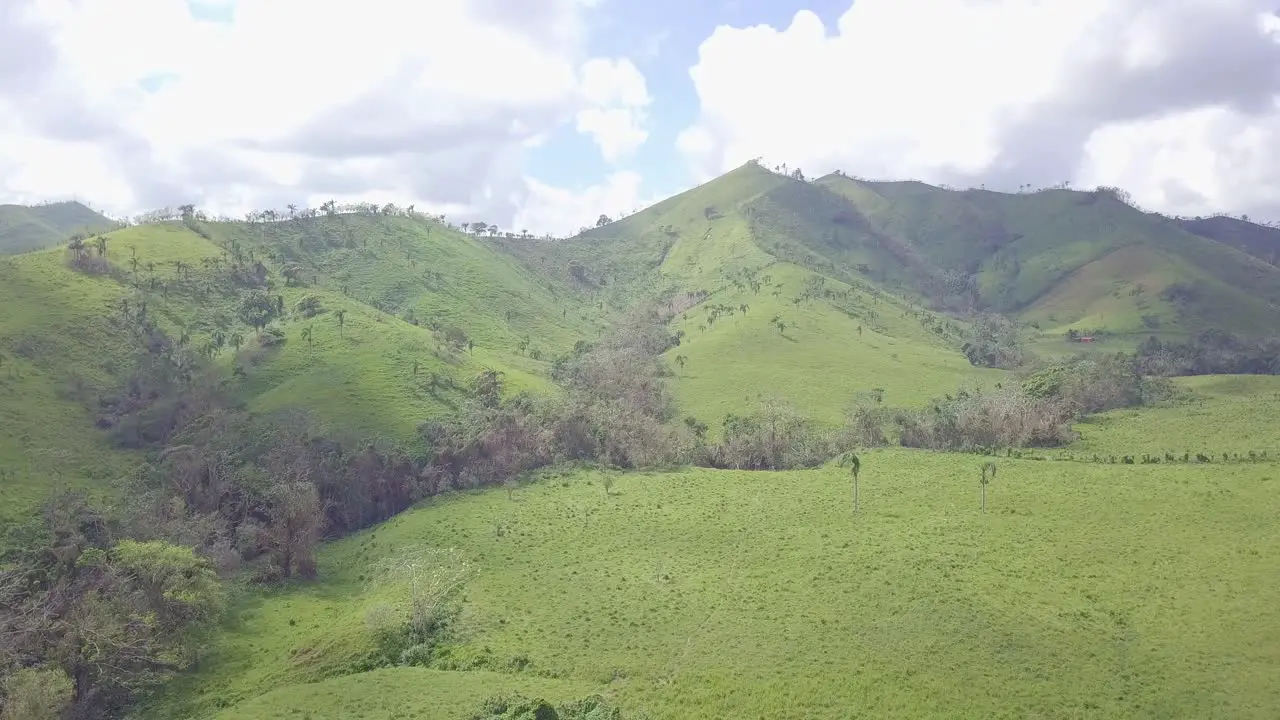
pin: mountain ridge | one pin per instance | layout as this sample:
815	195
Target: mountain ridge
31	227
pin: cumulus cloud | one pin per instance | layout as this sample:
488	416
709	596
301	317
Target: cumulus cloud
567	211
135	104
618	96
1176	100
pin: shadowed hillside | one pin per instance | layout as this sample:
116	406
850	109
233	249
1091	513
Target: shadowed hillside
24	228
1260	241
1070	259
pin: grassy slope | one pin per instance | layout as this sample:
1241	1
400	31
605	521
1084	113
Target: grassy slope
1259	241
401	693
819	362
56	334
1065	259
743	222
24	228
62	331
724	594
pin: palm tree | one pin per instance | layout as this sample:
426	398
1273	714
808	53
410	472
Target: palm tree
851	460
988	474
681	360
306	335
236	340
342	320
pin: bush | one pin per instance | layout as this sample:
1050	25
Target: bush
982	420
1209	353
309	306
993	341
778	438
520	707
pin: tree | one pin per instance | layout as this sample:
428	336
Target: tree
100	242
851	461
296	521
257	310
681	360
487	387
988	474
603	220
341	315
236	340
306	335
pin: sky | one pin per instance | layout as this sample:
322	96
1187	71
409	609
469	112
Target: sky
544	114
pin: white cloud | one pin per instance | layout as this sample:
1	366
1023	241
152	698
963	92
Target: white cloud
618	97
434	103
1139	93
563	211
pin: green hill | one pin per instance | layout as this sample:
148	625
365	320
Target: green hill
24	228
1260	241
690	592
1069	259
449	308
761	315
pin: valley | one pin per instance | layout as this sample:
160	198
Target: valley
361	461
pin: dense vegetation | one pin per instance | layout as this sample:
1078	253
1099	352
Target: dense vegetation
194	406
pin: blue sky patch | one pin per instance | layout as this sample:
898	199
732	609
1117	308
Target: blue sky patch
215	11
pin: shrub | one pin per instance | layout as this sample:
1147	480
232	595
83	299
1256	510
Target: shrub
993	341
309	306
982	420
777	438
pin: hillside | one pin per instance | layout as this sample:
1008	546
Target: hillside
1069	259
24	228
760	319
1260	241
1058	259
425	309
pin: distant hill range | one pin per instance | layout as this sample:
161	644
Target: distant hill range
24	228
1057	258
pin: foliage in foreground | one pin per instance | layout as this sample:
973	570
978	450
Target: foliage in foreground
107	614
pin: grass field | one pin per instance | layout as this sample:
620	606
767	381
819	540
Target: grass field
1086	590
1220	413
